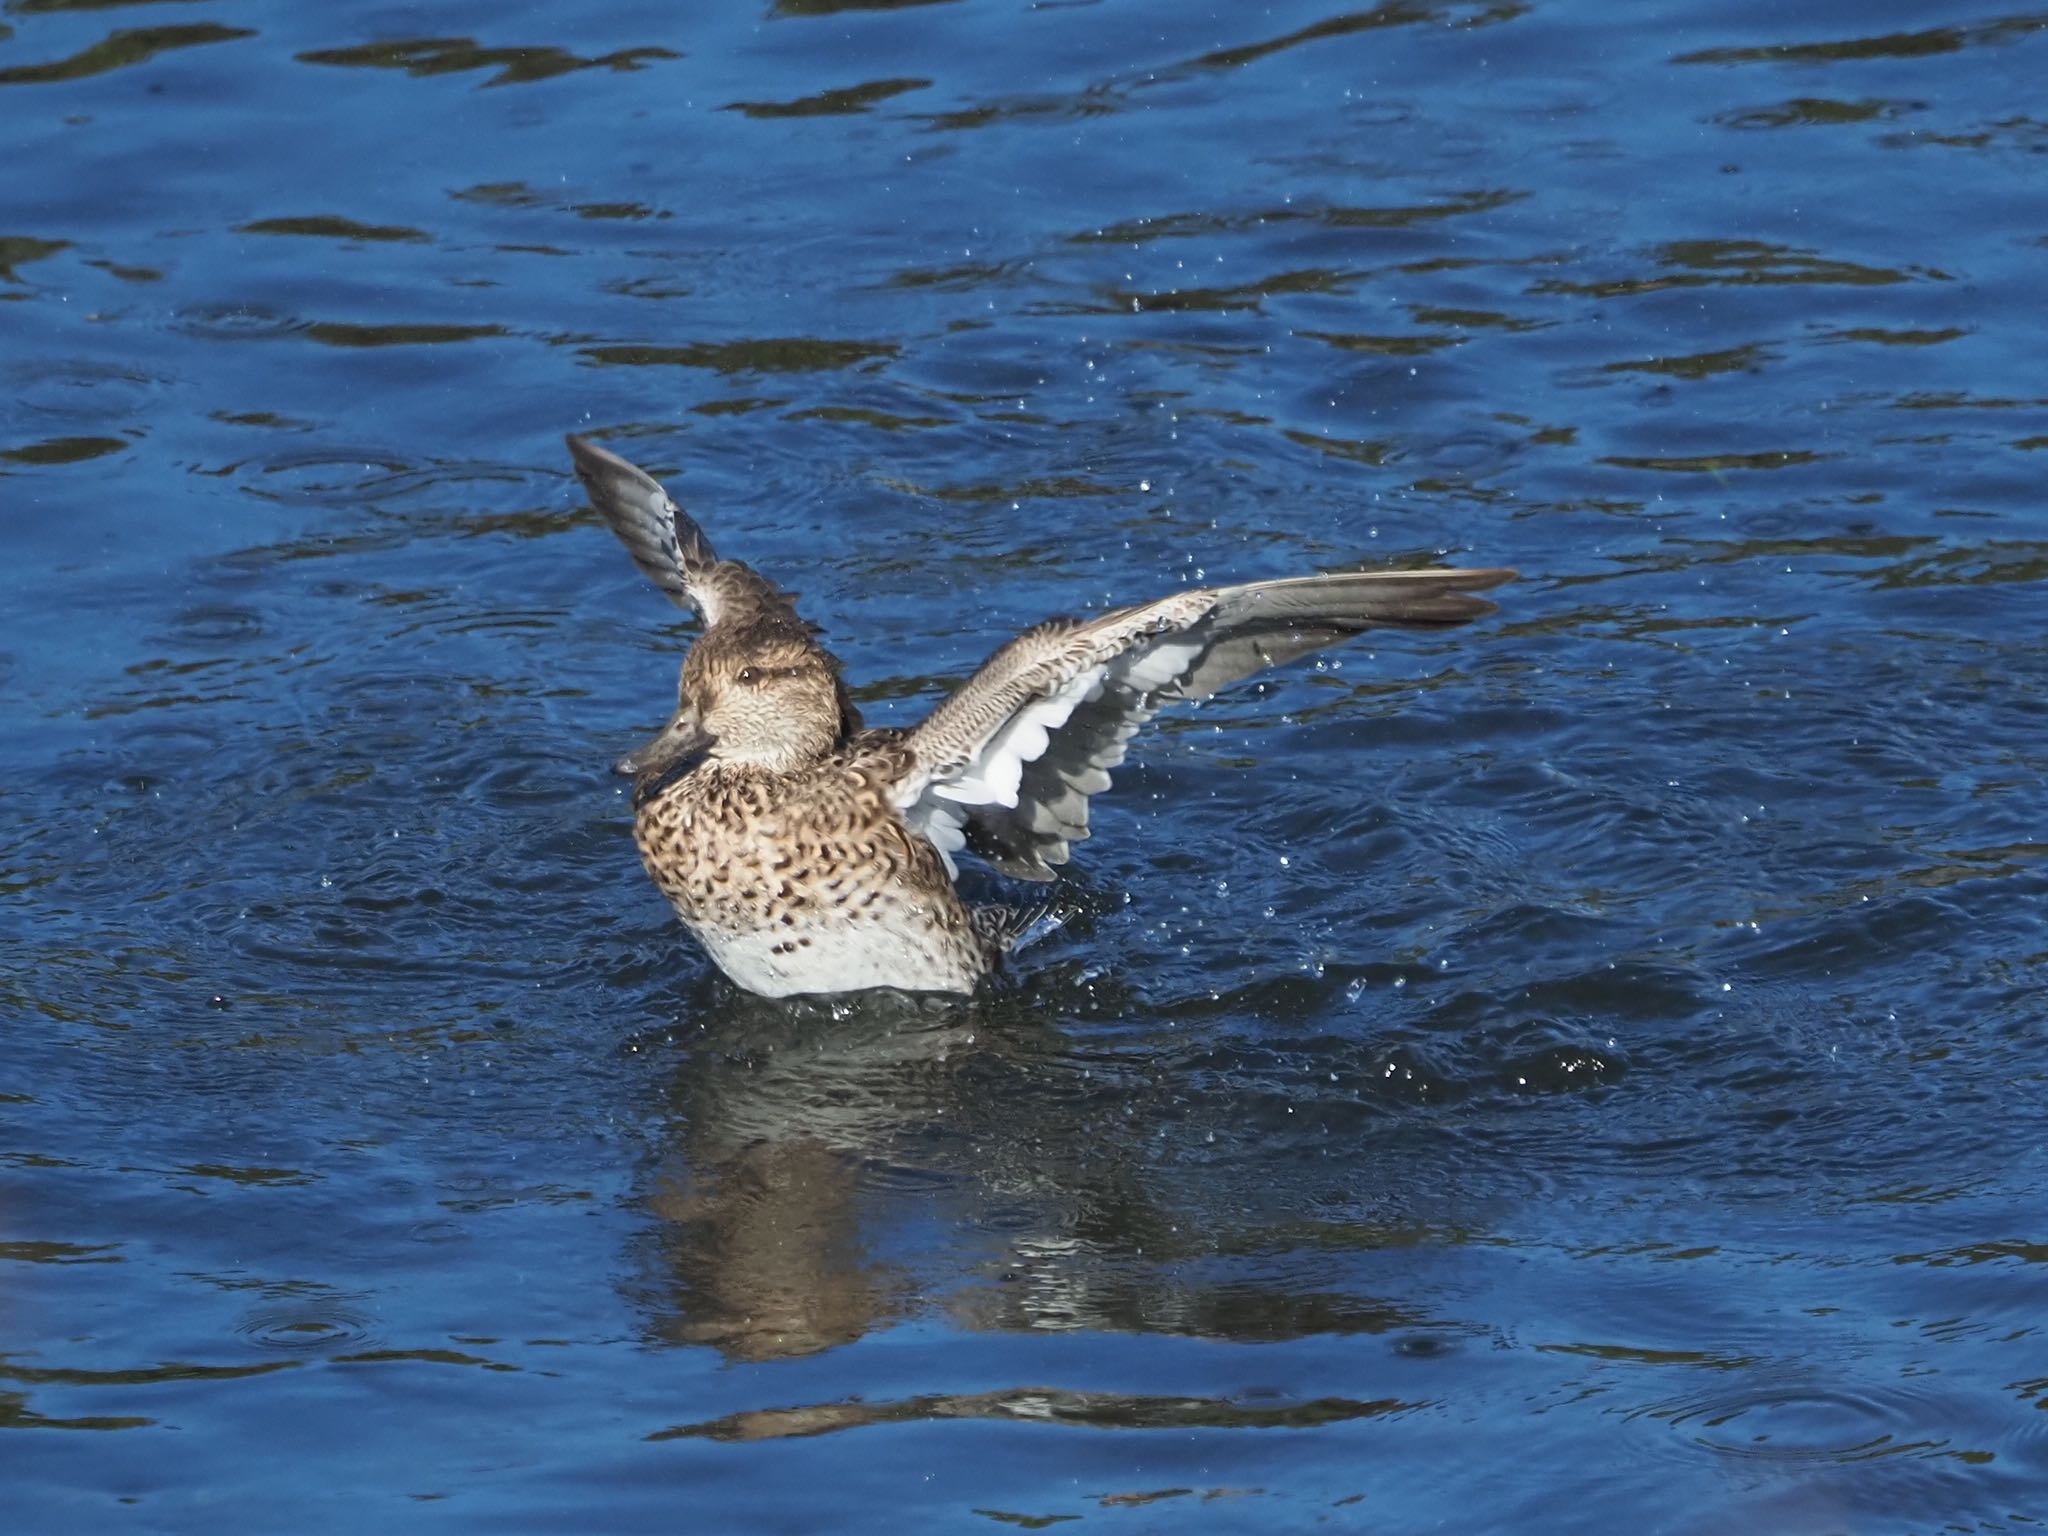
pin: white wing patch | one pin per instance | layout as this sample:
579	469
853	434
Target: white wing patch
1150	668
945	825
996	772
998	768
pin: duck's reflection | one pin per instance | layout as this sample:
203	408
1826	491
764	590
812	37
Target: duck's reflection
838	1166
790	1120
765	1252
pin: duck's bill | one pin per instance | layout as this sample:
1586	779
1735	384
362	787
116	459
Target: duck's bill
677	743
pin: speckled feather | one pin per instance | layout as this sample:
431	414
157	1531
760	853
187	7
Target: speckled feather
810	881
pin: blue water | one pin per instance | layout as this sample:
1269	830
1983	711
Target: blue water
1581	1072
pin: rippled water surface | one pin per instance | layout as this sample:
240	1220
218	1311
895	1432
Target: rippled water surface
1581	1072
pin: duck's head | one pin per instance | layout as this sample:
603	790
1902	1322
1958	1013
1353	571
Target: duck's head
763	693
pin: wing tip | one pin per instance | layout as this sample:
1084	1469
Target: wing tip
1460	606
586	455
595	463
1485	578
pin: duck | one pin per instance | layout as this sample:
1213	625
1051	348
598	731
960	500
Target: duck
808	853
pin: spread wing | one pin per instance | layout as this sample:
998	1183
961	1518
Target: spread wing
1007	763
667	546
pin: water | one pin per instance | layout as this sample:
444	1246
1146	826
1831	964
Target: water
1582	1072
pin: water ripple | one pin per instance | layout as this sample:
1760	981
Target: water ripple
1812	1423
322	1324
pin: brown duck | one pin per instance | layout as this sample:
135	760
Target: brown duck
808	854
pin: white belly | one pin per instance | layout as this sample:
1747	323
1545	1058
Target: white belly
844	957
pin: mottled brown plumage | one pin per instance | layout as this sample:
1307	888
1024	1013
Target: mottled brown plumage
809	854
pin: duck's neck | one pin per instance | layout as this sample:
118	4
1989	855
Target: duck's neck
783	755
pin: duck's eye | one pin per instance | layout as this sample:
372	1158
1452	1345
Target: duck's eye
750	674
